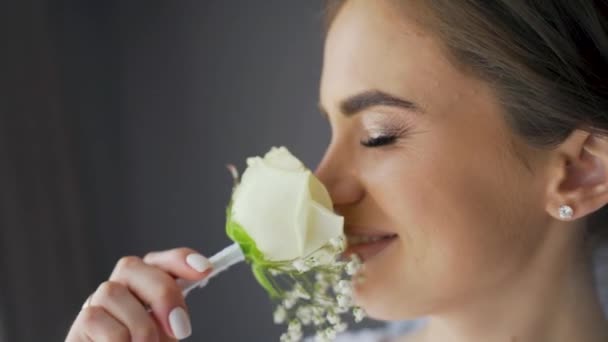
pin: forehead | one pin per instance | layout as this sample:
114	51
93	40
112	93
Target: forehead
383	45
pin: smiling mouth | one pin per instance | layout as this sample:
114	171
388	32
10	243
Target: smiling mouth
366	246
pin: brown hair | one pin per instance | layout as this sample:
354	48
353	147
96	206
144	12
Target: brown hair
546	59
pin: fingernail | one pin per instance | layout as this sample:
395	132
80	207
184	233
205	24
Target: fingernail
86	303
198	262
180	323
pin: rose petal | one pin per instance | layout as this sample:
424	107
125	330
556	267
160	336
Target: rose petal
267	204
323	225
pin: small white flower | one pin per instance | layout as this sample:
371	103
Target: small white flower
359	314
304	314
353	266
343	300
330	333
324	300
312	262
340	327
321	287
280	314
321	336
332	318
300	266
344	287
294	326
295	330
317	311
295	336
334	277
300	292
318	320
339	243
341	309
289	302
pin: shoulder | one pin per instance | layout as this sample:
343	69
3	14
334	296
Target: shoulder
385	334
367	335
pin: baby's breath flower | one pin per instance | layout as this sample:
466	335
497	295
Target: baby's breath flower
333	318
341	309
296	335
324	300
334	277
299	292
294	326
321	287
340	327
359	314
318	311
300	266
280	314
289	302
330	333
285	337
304	314
339	243
344	287
315	295
312	262
343	300
322	336
353	266
318	320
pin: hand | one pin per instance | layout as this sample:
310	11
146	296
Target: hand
141	300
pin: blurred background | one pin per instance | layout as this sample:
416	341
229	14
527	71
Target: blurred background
116	121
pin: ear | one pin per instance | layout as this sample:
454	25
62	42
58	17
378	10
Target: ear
579	175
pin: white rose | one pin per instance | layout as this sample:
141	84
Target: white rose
283	207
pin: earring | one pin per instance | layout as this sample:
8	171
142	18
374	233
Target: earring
566	212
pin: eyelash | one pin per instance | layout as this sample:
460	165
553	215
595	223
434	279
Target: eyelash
381	140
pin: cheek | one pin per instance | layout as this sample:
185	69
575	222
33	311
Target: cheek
451	228
459	233
443	206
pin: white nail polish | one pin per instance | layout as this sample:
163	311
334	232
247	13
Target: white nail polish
180	323
198	262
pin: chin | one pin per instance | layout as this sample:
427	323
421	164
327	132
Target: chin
381	303
380	312
377	304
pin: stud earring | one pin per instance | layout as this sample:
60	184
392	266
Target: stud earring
565	212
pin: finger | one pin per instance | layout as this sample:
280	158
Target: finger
183	263
156	288
95	324
87	302
117	300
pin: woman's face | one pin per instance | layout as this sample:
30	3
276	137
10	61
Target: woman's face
421	155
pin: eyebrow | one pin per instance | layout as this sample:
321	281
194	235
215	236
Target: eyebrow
372	98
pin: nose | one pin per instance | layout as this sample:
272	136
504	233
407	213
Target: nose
338	172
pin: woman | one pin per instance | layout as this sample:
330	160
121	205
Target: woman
473	136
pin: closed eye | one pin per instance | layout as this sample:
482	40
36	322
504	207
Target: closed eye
381	140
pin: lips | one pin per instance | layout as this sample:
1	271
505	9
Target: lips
360	239
367	242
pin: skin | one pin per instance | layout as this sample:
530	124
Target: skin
115	311
480	250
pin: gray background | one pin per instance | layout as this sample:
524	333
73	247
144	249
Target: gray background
117	121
